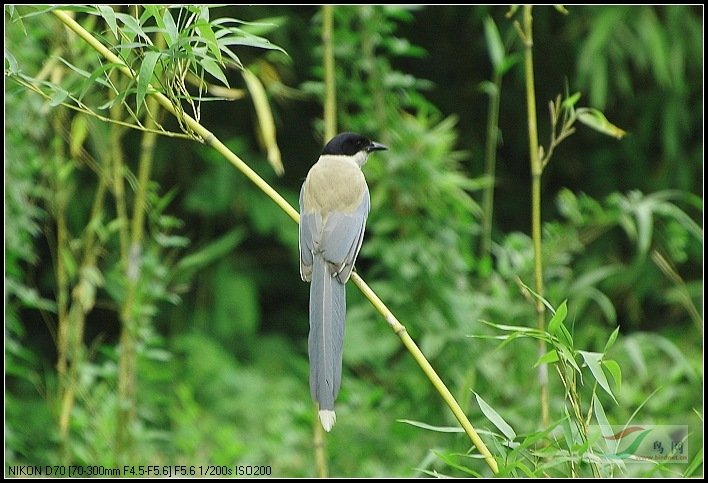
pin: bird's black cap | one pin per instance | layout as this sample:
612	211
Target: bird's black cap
349	143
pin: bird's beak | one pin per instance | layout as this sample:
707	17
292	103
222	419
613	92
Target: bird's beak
374	146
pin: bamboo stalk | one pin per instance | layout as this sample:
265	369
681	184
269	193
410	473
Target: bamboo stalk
330	99
536	171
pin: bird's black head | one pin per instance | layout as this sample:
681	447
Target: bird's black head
349	143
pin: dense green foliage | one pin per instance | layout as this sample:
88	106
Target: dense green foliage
154	313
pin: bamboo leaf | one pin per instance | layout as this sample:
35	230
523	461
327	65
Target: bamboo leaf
611	340
694	465
96	77
78	70
567	355
79	132
265	120
549	357
110	17
58	97
11	62
249	41
570	102
495	418
565	336
69	262
510	60
558	318
171	31
207	35
495	46
132	26
213	68
615	371
439	429
593	361
145	77
597	121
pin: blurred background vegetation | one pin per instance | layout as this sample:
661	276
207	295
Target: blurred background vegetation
154	312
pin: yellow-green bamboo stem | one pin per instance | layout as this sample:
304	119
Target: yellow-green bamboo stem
422	361
210	139
127	355
330	99
536	171
147	148
321	467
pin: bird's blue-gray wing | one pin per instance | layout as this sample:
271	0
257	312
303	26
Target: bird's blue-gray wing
309	231
342	236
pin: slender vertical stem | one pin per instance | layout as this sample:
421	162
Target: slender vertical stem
127	343
536	171
66	363
116	154
330	100
320	449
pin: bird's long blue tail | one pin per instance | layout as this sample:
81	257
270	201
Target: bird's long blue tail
327	311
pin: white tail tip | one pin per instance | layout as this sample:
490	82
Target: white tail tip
327	418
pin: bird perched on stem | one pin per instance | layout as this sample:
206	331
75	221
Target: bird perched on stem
334	205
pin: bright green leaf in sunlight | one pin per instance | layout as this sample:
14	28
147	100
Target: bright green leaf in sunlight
549	357
695	465
489	88
558	318
429	427
594	360
146	70
611	340
11	62
70	265
78	70
264	26
110	17
207	35
495	46
571	101
265	120
565	336
597	121
79	132
568	357
249	41
58	97
213	68
615	371
601	417
495	418
132	26
171	32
